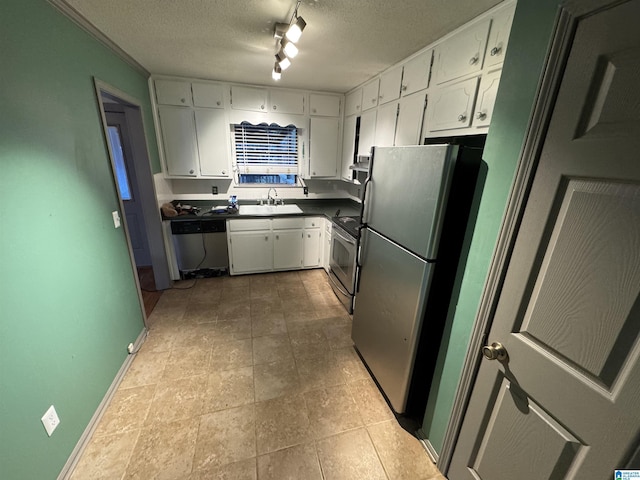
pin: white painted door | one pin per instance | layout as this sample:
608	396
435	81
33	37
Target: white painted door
410	118
127	183
179	140
566	401
287	249
323	146
213	146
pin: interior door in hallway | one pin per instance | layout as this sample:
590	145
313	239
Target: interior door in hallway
128	183
564	403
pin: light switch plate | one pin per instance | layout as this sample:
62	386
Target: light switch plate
50	420
116	218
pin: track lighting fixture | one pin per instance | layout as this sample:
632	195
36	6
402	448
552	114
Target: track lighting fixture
276	74
282	60
289	48
287	35
295	30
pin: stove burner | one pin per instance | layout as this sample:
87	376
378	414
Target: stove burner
348	224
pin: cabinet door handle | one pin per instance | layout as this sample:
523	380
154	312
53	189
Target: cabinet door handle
314	110
275	107
191	171
261	107
183	100
224	172
481	115
495	51
462	117
277	237
218	103
404	88
473	60
266	239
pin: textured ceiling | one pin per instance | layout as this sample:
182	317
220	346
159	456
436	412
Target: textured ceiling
345	41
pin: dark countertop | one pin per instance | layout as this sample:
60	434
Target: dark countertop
315	207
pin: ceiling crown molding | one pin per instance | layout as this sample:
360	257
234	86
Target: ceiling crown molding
92	30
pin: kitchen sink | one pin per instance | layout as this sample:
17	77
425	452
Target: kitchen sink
269	209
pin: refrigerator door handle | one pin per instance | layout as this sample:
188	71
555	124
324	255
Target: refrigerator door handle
365	186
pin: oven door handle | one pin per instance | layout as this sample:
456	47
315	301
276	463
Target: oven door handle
350	241
338	286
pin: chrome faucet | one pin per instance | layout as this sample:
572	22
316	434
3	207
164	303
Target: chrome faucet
270	198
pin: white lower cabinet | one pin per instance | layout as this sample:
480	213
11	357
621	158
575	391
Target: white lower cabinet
287	243
326	244
287	249
312	242
271	244
250	251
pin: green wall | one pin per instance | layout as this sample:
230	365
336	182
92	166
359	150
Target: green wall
528	43
68	301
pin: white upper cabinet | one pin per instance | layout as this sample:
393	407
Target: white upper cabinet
283	101
486	99
498	36
173	92
416	73
209	95
324	105
348	146
462	54
213	149
323	148
179	140
410	117
450	107
367	132
386	125
249	98
353	103
390	84
370	95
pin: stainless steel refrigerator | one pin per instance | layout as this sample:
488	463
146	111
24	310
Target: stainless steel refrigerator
405	202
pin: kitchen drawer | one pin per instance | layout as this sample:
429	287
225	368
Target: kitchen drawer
313	222
249	224
287	223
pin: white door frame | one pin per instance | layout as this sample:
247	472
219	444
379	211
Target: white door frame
566	22
150	210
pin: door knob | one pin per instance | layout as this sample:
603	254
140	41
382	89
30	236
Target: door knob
495	351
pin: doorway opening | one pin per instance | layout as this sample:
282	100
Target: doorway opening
126	141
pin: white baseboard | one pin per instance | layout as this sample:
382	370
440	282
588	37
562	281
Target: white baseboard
77	452
426	444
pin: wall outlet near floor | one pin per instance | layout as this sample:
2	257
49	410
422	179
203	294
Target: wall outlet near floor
214	190
50	420
130	348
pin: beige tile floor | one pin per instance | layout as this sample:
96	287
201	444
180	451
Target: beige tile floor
251	377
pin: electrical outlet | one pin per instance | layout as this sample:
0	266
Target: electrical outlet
214	190
50	420
130	348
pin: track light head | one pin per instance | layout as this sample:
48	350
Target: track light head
295	30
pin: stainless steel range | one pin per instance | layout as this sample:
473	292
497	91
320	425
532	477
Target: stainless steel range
343	263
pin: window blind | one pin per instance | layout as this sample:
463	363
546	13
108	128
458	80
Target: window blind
266	149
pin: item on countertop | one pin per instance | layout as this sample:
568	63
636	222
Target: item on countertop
168	210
